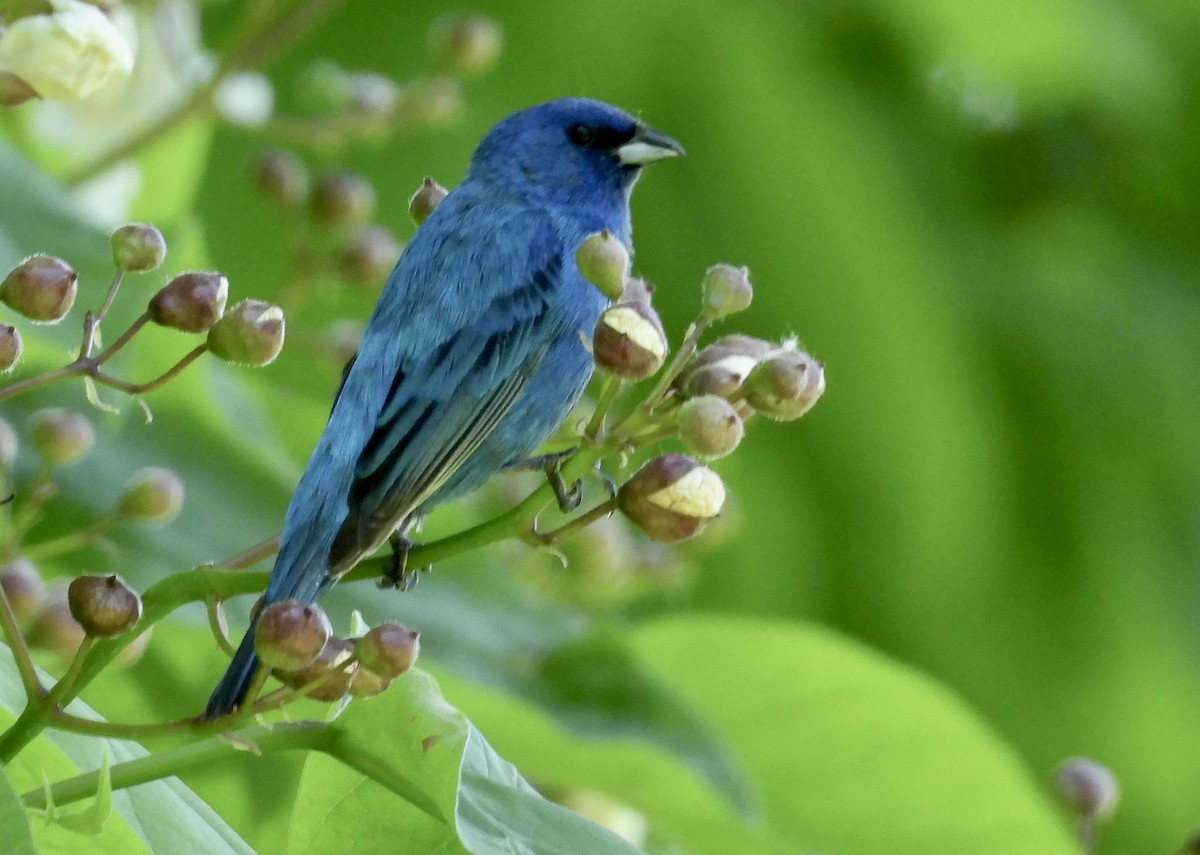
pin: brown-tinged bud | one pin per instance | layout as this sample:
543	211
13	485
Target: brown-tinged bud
251	333
10	348
153	495
726	290
191	302
710	426
42	288
281	177
138	247
23	587
369	256
60	435
428	196
1087	788
14	90
785	385
465	42
721	367
388	650
330	667
672	497
9	445
104	605
290	635
629	341
343	197
603	260
55	629
366	684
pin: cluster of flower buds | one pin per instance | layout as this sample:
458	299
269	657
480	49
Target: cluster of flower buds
297	642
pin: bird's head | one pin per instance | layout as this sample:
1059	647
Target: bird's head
573	150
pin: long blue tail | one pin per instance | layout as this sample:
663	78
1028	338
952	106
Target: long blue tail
231	691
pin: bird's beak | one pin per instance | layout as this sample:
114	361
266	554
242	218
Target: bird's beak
647	146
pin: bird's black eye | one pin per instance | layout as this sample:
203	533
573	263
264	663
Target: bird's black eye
581	134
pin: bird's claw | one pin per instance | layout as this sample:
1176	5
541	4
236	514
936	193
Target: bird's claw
399	576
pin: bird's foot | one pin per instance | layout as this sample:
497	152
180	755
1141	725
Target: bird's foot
568	497
398	575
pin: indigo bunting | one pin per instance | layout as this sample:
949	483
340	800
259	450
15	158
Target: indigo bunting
475	352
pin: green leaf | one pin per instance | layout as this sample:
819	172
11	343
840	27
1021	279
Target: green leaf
159	816
456	793
18	839
92	817
852	752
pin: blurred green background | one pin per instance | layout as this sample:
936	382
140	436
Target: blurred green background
984	218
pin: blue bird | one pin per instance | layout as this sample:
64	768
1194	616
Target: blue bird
473	355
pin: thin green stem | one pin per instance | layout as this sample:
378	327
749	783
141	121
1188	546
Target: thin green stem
29	384
276	737
549	538
122	339
20	651
608	394
69	542
64	684
91	322
150	385
678	362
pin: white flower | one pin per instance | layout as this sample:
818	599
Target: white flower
246	99
70	53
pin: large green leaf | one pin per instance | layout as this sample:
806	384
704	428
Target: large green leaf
18	839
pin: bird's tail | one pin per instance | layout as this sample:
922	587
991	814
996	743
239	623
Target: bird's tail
231	691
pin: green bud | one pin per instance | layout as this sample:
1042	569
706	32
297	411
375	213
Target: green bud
281	176
153	495
290	634
366	684
465	43
388	650
726	290
14	90
343	197
330	667
60	435
1087	788
369	256
9	445
103	605
23	587
428	196
629	341
191	302
672	497
42	288
138	247
604	261
251	333
710	426
10	348
785	385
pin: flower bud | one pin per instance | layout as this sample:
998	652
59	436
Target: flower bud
428	196
281	177
369	256
69	53
629	341
388	650
289	635
726	290
154	495
138	247
42	288
432	103
710	426
603	260
721	367
1087	788
9	445
465	43
55	628
245	99
366	684
636	290
330	667
785	385
343	197
191	302
372	94
14	90
23	587
10	348
103	605
251	333
60	435
672	497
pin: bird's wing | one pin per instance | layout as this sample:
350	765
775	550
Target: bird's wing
444	402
